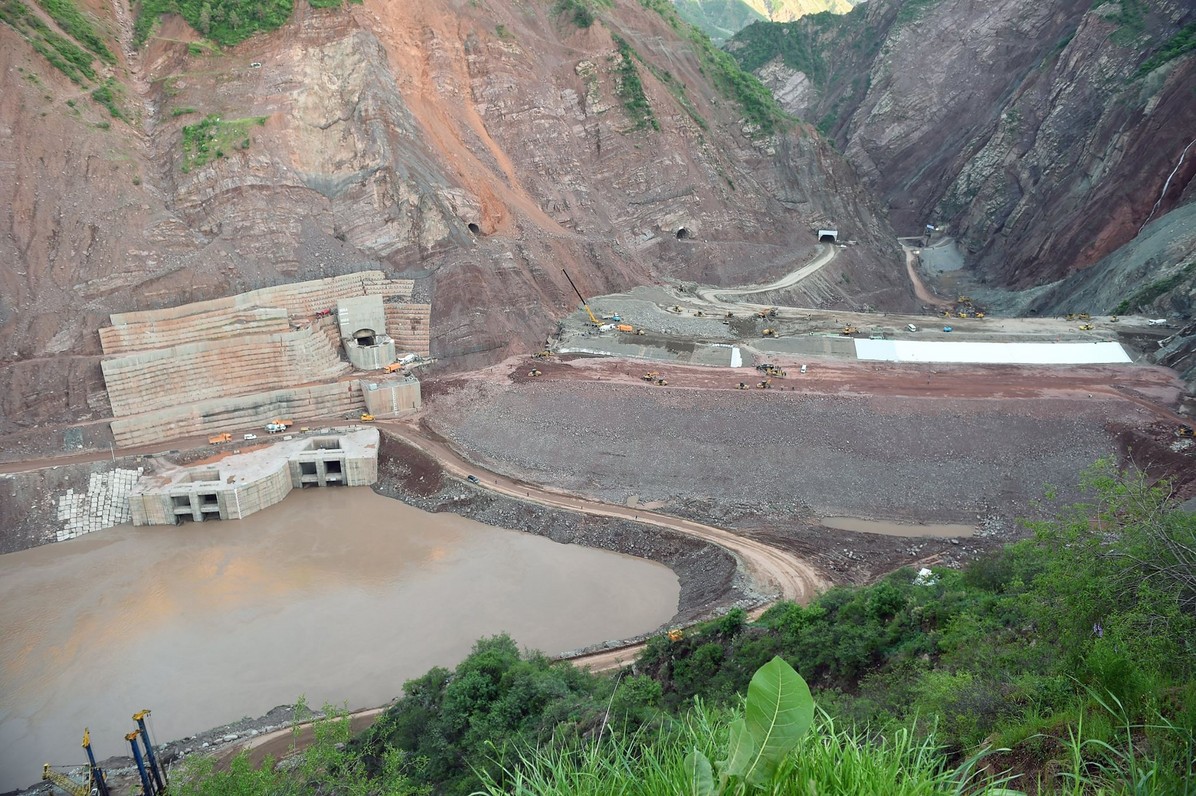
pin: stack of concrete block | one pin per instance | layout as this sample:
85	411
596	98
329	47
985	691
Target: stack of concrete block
103	505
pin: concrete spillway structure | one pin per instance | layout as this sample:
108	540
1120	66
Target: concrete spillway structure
241	361
244	483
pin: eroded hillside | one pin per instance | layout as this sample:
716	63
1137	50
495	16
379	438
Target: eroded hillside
1042	135
475	149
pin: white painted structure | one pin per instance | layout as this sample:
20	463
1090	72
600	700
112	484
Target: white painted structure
1097	353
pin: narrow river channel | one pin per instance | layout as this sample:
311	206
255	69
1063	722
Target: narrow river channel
338	595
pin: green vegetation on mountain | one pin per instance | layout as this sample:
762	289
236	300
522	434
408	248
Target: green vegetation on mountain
1064	663
760	109
68	17
1177	46
630	88
225	22
213	138
63	54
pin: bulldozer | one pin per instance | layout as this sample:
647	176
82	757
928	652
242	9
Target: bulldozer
1086	327
534	372
848	331
774	371
366	417
545	354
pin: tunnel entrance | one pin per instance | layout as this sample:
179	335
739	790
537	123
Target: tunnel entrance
828	235
364	337
474	228
682	234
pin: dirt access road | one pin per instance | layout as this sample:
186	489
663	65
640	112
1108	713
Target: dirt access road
777	574
713	295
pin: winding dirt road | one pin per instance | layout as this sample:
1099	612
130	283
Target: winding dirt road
714	295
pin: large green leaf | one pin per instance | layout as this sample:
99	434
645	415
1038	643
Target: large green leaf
779	712
699	774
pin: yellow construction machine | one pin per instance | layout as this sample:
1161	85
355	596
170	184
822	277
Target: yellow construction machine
651	375
366	417
764	385
769	333
545	354
589	312
1086	327
743	385
534	372
220	438
773	370
848	331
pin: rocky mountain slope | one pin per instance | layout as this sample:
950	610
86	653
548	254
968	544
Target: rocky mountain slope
475	148
1041	135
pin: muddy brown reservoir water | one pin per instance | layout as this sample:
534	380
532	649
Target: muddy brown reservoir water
336	595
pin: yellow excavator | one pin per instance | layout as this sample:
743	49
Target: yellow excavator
848	331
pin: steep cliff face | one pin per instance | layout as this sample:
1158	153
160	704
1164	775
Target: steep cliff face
476	149
1040	134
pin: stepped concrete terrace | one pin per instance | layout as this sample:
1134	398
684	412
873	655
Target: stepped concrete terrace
241	361
243	483
410	326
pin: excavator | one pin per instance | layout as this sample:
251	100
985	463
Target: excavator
545	354
1185	431
772	370
651	375
95	775
764	385
848	331
589	312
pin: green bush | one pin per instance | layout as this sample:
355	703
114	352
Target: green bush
78	27
225	22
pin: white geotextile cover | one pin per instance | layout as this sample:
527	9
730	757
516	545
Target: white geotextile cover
991	353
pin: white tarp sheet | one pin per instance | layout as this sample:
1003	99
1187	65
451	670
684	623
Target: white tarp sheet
991	353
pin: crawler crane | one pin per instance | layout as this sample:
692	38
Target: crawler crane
95	775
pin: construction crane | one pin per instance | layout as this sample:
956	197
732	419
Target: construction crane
95	775
589	312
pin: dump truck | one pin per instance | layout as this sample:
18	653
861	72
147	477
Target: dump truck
392	367
284	422
625	327
219	439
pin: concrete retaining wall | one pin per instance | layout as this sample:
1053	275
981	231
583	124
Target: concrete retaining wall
104	504
391	397
340	399
152	380
212	325
410	326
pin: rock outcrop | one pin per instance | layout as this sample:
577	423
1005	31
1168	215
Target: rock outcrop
1043	135
474	149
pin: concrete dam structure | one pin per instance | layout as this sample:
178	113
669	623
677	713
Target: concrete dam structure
296	351
243	483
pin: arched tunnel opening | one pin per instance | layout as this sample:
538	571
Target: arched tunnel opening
364	337
828	236
682	234
474	228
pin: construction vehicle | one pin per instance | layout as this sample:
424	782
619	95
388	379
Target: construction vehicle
743	385
1086	327
285	422
95	775
274	428
545	354
675	308
534	372
220	438
946	328
676	635
964	300
774	371
392	367
1185	431
769	333
764	385
366	417
661	383
763	367
848	331
324	313
625	327
589	312
1112	319
771	312
651	375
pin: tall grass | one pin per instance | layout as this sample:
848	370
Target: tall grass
829	760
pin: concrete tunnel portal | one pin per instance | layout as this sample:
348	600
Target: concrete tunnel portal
828	236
